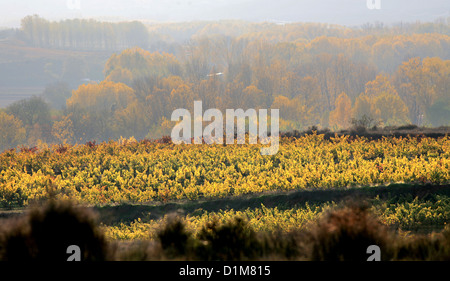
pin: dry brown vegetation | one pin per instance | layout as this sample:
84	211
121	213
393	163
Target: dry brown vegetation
343	234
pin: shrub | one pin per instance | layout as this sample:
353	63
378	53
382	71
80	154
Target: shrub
45	233
233	240
365	122
346	233
432	247
174	238
407	127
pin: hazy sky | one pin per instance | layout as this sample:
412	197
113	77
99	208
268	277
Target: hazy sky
348	12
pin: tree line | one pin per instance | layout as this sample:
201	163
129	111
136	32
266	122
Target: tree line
325	82
83	34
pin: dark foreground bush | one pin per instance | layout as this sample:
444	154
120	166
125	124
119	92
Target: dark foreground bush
174	239
434	247
45	234
345	235
232	240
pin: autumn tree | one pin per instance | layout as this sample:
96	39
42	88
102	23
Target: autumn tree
94	109
391	110
252	97
34	113
209	91
63	131
12	131
30	111
420	83
135	63
310	94
292	110
364	108
340	117
381	84
336	74
439	113
182	96
56	94
133	121
381	102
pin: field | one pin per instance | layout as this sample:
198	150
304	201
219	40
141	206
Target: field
27	70
93	105
140	172
10	95
137	188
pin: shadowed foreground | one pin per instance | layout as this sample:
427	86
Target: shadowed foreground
342	234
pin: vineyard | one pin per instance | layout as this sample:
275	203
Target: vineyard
405	214
341	147
138	187
142	172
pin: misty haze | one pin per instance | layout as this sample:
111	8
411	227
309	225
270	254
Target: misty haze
356	92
